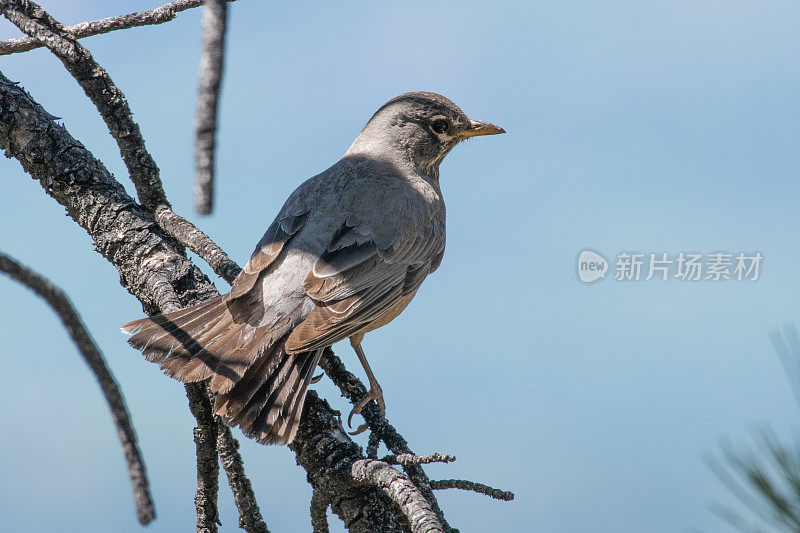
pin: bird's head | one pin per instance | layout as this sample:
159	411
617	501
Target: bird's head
420	127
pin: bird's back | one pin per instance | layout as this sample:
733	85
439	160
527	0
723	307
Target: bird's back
354	204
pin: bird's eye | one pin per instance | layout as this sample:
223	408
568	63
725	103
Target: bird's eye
439	125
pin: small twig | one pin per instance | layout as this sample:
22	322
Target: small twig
480	488
188	235
205	439
228	448
319	512
158	15
406	459
401	490
91	354
211	62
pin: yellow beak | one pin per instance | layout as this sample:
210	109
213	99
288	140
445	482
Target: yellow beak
481	128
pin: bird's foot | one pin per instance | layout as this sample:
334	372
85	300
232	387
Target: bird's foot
375	393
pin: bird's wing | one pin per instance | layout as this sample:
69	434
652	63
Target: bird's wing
355	281
268	249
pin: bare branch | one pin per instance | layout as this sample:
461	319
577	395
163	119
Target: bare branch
249	514
98	86
91	354
214	23
113	107
399	488
205	440
406	459
319	512
158	15
198	242
480	488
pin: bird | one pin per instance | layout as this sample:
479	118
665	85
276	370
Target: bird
344	256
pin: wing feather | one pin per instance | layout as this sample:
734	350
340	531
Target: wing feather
267	250
354	283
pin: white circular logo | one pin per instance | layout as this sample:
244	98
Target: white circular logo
591	266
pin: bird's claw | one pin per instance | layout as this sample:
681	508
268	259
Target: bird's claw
361	429
374	393
315	379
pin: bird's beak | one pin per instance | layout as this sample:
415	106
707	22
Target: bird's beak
480	128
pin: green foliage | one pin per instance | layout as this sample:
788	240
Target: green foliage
766	477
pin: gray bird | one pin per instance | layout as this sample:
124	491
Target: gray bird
345	255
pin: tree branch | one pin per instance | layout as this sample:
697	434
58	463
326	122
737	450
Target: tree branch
327	454
319	512
406	459
228	448
150	267
158	15
98	86
480	488
205	440
211	62
399	488
190	236
91	354
373	442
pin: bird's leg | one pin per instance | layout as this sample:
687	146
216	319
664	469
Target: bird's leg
375	391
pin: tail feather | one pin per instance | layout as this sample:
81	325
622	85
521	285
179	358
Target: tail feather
200	368
197	364
277	419
142	329
174	334
225	338
259	386
253	344
230	404
265	389
288	420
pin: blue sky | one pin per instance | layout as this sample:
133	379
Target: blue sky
631	127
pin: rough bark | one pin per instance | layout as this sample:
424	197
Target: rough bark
249	514
327	453
401	491
205	440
